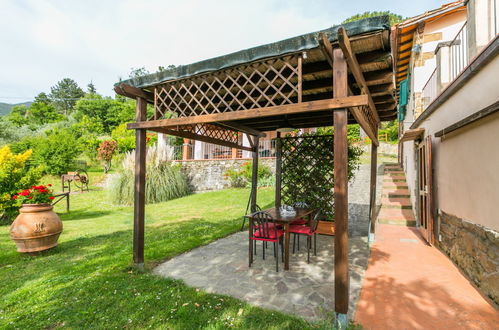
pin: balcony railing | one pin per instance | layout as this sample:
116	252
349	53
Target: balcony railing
266	148
430	90
447	70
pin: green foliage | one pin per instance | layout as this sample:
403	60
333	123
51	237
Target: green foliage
17	115
65	94
14	176
91	88
164	180
110	113
38	113
391	129
10	133
394	18
125	138
87	282
353	132
242	177
57	151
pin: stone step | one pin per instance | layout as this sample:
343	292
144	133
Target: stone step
410	223
396	206
394	176
396	214
396	201
394	180
391	186
393	169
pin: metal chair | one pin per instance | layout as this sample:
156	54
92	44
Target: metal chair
299	205
310	231
266	231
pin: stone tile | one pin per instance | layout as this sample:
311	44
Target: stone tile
306	290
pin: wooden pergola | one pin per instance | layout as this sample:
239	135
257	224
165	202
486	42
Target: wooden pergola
333	77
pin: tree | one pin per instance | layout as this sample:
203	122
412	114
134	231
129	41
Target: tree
394	18
40	113
42	98
105	153
65	94
138	72
18	114
109	112
91	88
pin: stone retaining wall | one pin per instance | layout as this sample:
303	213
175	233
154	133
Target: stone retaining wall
475	249
208	174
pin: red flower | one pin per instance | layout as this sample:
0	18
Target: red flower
14	197
49	185
30	197
51	197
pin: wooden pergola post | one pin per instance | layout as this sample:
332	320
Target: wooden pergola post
254	173
278	169
341	276
372	201
140	186
185	149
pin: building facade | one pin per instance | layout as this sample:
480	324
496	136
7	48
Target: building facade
447	72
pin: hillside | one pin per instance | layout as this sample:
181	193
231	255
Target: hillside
5	107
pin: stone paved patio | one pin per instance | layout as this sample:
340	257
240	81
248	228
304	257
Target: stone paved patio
306	290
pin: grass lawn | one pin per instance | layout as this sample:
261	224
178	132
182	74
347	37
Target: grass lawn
88	282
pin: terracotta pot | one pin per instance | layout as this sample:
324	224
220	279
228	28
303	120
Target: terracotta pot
36	228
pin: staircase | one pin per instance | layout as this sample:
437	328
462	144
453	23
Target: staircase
396	207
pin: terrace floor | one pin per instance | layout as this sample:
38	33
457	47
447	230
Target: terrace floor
305	290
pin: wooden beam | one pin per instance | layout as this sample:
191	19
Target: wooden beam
354	66
341	275
254	175
320	105
278	170
140	186
134	92
241	128
198	137
327	48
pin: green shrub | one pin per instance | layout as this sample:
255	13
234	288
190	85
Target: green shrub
15	175
164	179
57	151
242	177
124	137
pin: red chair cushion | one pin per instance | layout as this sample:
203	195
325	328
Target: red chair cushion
271	235
300	230
299	222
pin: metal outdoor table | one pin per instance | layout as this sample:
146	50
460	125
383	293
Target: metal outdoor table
284	220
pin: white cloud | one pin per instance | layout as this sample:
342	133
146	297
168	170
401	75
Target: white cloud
45	41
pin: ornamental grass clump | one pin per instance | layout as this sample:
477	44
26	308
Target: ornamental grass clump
164	179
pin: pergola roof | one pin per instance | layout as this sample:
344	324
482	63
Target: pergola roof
288	83
288	46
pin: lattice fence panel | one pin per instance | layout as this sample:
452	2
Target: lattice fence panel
255	85
307	172
216	132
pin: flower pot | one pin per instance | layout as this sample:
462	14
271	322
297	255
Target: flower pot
36	228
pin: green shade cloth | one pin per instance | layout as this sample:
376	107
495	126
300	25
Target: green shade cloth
287	46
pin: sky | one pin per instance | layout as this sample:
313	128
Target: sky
42	42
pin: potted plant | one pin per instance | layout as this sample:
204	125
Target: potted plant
37	227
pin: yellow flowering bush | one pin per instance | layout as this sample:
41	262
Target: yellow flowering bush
15	175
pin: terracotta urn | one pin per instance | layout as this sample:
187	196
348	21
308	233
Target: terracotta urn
36	228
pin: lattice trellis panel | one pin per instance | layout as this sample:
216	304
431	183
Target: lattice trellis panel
307	172
212	131
255	85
